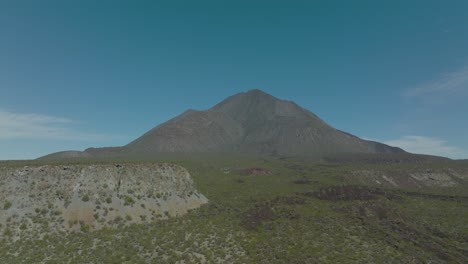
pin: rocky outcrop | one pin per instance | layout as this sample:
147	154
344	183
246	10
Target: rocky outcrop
87	197
412	178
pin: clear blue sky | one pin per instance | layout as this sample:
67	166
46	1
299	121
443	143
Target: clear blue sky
75	74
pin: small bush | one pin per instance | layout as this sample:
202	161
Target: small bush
7	232
84	228
85	198
128	200
7	205
59	194
108	200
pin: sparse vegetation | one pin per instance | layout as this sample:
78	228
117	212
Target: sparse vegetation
84	228
306	213
128	200
85	198
7	205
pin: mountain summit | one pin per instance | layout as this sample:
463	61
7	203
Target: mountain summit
252	122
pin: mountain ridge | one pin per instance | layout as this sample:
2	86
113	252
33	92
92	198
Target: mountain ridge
252	122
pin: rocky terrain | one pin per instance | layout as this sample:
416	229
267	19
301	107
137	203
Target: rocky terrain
253	122
89	197
402	170
412	178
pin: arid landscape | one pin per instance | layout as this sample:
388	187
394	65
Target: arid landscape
238	132
221	198
256	210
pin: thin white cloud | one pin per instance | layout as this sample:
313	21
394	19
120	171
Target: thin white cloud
448	84
36	126
429	146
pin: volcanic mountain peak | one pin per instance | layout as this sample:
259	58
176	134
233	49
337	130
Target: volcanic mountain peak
256	104
250	122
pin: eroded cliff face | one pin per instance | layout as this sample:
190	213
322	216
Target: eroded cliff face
88	197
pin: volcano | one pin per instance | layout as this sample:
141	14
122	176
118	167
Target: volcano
252	122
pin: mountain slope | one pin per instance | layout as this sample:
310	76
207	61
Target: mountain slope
193	131
252	122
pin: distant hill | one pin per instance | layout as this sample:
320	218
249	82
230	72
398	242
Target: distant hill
253	122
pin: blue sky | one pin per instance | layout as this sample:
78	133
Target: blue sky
75	74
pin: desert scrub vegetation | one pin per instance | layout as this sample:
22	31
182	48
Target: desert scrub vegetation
7	205
128	200
85	198
297	213
84	228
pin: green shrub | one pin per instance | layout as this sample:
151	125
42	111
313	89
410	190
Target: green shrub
85	198
59	194
108	200
84	228
7	232
128	200
7	205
